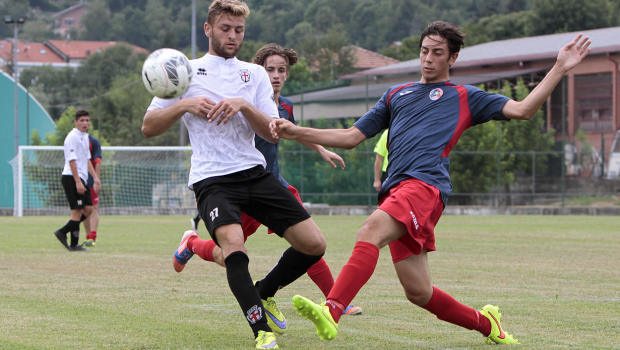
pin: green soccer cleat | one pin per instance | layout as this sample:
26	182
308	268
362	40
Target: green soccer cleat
266	340
326	327
275	319
497	335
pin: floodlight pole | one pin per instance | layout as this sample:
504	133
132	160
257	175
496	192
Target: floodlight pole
15	22
182	129
193	29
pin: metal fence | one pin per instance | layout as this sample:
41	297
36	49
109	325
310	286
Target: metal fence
479	178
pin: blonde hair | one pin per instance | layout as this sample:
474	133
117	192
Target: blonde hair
232	7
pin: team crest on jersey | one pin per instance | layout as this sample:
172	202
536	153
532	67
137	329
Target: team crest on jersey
435	94
245	75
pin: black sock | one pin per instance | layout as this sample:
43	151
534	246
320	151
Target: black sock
243	289
292	265
82	218
75	237
70	226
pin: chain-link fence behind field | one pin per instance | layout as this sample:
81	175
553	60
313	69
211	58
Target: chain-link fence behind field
478	178
153	180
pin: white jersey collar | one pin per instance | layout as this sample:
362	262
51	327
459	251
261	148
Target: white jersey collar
219	59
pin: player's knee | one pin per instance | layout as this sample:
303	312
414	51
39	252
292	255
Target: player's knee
368	234
419	295
316	246
320	246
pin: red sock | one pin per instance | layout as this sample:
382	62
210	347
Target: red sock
320	274
201	247
448	309
92	235
353	276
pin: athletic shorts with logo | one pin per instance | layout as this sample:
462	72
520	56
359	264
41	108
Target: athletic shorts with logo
221	201
418	206
76	200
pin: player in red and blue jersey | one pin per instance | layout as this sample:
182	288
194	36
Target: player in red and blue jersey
425	120
92	223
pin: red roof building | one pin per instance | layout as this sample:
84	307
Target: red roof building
55	53
366	59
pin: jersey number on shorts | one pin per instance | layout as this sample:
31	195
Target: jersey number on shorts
213	214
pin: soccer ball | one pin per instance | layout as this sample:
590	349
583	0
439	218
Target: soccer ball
166	73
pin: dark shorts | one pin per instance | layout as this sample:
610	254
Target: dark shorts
418	206
76	200
221	200
249	225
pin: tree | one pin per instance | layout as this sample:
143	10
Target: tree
300	78
497	27
408	49
306	170
53	87
97	22
248	50
472	173
99	70
555	16
121	110
36	30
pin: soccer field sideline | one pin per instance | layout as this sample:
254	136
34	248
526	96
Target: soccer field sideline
555	279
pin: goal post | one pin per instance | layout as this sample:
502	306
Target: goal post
135	180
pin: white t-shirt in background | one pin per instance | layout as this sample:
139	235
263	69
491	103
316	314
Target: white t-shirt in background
76	148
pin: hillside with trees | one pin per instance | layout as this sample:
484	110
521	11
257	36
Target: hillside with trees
109	82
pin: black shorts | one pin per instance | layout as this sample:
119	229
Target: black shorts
76	200
256	192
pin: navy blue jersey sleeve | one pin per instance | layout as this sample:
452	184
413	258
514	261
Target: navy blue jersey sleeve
485	106
96	148
376	119
286	109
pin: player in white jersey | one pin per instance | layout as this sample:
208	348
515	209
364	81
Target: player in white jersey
74	177
229	101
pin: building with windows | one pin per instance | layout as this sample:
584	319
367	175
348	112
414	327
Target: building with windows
69	18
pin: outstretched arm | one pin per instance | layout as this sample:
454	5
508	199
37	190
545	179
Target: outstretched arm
341	138
568	57
327	155
377	172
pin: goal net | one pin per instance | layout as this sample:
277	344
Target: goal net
135	180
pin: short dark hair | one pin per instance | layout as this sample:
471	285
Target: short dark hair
274	49
445	30
233	7
80	113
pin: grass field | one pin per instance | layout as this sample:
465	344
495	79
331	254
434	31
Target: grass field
555	278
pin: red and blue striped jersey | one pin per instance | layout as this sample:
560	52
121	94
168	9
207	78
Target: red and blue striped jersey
425	122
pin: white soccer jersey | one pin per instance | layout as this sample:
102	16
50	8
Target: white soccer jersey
76	148
226	148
